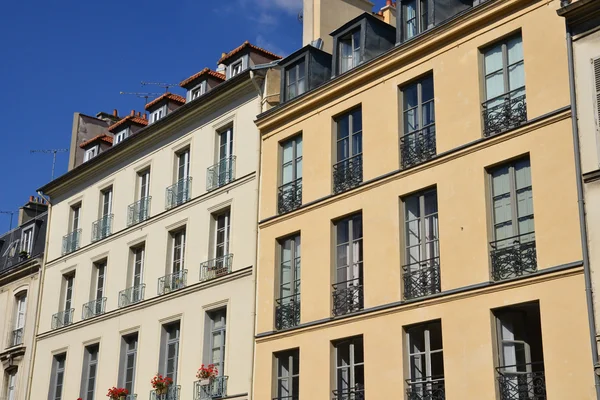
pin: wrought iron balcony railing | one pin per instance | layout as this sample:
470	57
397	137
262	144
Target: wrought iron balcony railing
216	267
520	382
138	211
102	228
421	278
70	242
214	389
290	196
131	295
220	174
356	393
426	389
172	282
287	312
178	193
130	397
63	318
418	146
513	257
16	337
171	393
93	308
347	174
504	112
347	297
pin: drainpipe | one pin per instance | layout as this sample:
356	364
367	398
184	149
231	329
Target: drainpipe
589	295
39	299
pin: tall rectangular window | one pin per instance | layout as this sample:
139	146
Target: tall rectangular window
418	143
170	351
97	302
421	269
27	240
349	369
127	365
106	206
290	192
183	165
144	184
414	18
103	226
226	143
347	172
287	313
218	328
425	361
90	369
57	377
69	280
295	82
100	274
288	375
137	272
178	250
504	106
70	241
222	223
348	290
349	51
75	212
11	384
20	313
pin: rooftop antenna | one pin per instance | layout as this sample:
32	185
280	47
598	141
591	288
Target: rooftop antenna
164	85
142	95
11	216
48	151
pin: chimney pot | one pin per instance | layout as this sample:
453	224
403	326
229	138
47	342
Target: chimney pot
144	116
115	113
132	113
31	199
388	2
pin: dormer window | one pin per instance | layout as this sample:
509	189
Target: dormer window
197	91
295	79
156	115
349	51
119	137
91	153
236	68
414	17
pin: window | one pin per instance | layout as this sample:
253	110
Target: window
19	318
183	165
27	240
144	184
504	106
217	321
68	281
349	369
75	212
349	51
288	375
119	137
226	143
137	274
197	91
414	18
222	223
179	192
170	351
91	153
106	201
236	68
418	116
140	210
57	377
127	365
158	114
425	361
348	290
295	82
290	192
347	172
178	250
421	271
222	173
103	227
11	384
287	313
90	368
100	273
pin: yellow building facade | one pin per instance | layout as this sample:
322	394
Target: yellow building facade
418	218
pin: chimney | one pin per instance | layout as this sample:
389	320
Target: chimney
132	113
139	114
115	113
33	208
144	116
389	12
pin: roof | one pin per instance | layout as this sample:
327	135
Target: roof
303	50
133	119
247	45
173	97
353	21
103	137
10	243
205	71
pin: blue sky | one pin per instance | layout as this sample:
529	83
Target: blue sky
59	57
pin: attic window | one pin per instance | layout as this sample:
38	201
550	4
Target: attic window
156	115
197	91
119	137
349	51
236	68
91	153
414	18
295	79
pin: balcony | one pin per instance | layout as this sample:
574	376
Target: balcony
504	112
131	295
287	312
63	318
102	228
93	308
220	174
289	197
216	267
214	389
347	174
178	193
172	282
138	211
421	278
513	257
418	147
16	337
427	389
172	393
130	397
524	381
70	242
356	393
347	297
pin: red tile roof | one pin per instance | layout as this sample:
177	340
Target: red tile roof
245	45
132	118
103	137
205	71
174	97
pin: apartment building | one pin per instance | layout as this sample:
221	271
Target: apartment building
21	259
419	233
152	247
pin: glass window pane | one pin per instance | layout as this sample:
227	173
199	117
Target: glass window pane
437	364
358	352
427	89
514	48
493	59
357	120
494	87
516	77
410	96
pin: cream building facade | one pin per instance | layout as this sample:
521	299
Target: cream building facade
152	248
419	231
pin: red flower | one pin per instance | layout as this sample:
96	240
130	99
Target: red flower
209	372
114	393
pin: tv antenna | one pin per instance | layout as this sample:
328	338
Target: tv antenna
11	213
142	95
48	151
164	85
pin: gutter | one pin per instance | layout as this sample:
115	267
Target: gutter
589	293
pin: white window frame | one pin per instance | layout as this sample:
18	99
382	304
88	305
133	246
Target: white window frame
237	68
20	310
27	239
119	137
11	385
197	91
91	153
158	114
179	262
